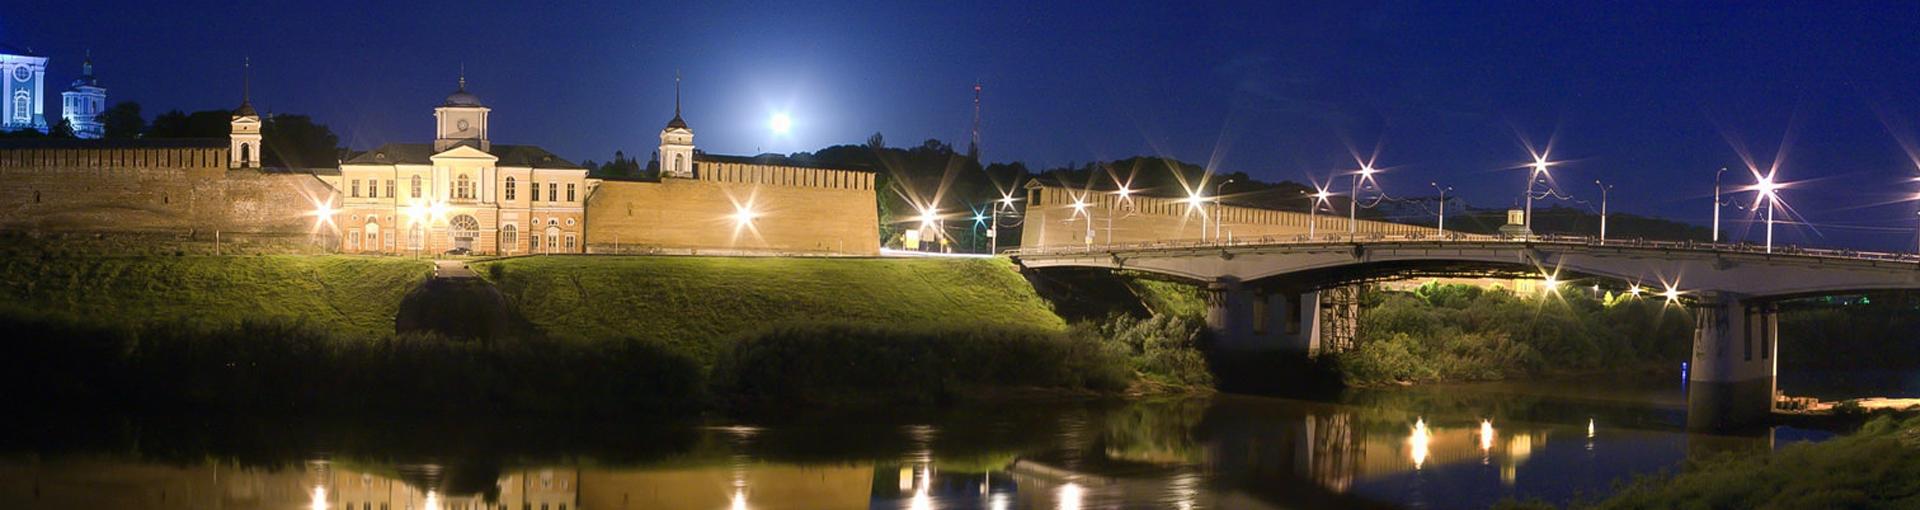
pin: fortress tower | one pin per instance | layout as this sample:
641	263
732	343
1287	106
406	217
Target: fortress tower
676	142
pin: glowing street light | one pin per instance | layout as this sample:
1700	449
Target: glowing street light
1635	290
1198	201
1353	205
743	215
1535	170
1550	284
1320	195
1768	191
1443	206
1672	294
993	230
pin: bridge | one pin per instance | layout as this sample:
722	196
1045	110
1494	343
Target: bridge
1270	292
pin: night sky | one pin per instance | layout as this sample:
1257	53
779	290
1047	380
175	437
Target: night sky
1651	97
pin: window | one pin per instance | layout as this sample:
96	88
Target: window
463	187
679	163
414	238
509	188
570	242
536	191
535	239
20	105
373	188
553	237
390	189
509	235
353	240
373	236
416	186
356	188
553	192
569	192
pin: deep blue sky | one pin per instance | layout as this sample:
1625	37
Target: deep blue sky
1646	96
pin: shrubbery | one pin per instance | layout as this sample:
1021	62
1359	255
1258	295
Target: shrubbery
1459	332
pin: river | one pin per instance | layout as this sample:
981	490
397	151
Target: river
1453	446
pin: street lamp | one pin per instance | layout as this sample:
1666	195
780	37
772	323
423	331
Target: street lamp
1080	208
1217	220
1123	192
1716	204
1538	168
1197	200
1353	200
1768	191
993	231
1603	209
1443	206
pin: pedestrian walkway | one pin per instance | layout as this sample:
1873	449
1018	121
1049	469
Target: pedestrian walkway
452	269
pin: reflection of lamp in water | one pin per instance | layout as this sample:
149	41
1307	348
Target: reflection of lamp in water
1418	442
921	501
433	501
319	498
1070	495
999	502
1486	439
1589	434
739	499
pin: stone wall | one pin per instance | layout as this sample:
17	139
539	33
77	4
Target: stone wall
1052	221
183	191
836	216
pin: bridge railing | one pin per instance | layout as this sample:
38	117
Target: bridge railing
1342	238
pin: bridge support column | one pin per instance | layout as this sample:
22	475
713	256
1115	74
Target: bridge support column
1730	383
1243	318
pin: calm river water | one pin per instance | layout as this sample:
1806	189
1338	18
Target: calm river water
1465	446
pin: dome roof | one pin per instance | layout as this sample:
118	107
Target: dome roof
462	98
245	110
676	123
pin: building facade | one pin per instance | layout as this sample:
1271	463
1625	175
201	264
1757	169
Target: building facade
461	192
83	103
23	78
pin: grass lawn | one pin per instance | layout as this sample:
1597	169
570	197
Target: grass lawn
696	303
348	295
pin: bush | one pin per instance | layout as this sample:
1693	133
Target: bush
1162	349
827	362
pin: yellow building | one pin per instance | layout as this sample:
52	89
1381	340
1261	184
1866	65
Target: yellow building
461	192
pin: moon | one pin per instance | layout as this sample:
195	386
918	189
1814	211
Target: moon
781	123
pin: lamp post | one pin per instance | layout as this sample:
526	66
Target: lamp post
1443	206
993	231
1603	209
1717	204
1216	208
1539	167
1122	195
1768	190
1353	200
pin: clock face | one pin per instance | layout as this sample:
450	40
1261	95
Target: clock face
22	73
463	124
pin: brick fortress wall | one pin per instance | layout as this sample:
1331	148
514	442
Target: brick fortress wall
186	194
796	210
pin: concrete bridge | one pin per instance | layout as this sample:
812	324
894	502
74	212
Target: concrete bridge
1270	292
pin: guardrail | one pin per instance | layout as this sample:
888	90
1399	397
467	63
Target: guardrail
1455	237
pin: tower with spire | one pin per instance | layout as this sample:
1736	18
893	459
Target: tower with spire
676	141
461	120
83	103
244	126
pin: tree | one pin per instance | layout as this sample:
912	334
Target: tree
876	142
201	124
123	120
62	129
296	141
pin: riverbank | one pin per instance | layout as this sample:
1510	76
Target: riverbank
1873	467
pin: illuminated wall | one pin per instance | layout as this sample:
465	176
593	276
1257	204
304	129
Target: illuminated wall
786	210
1051	220
186	191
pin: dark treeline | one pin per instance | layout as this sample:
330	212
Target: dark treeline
291	140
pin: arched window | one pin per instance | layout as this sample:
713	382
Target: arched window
510	190
462	187
416	186
463	229
509	234
679	163
246	154
20	105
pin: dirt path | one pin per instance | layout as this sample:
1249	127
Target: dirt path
452	269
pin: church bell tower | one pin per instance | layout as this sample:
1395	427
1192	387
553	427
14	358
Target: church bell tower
676	142
461	120
244	128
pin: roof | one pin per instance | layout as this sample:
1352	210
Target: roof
676	123
773	160
245	110
9	49
113	143
422	154
462	98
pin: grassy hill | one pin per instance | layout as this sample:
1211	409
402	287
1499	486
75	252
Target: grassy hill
352	295
693	303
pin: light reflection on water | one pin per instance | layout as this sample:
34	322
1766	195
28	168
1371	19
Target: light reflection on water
1456	448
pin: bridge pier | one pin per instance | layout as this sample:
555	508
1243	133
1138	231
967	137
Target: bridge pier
1242	317
1730	383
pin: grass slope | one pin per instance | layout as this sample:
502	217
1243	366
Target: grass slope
352	295
695	303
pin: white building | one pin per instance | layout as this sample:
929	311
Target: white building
23	77
83	103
